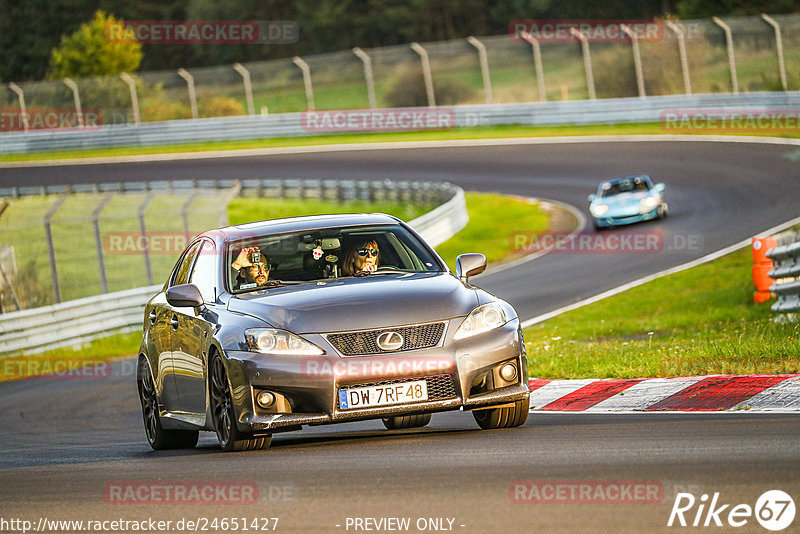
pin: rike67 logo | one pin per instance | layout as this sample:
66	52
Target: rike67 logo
774	510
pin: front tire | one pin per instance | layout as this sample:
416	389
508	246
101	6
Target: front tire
407	421
157	436
507	417
228	434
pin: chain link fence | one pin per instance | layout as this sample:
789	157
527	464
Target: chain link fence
338	80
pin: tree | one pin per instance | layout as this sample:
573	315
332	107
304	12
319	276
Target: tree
90	52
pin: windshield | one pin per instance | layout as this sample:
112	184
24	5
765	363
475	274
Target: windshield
609	189
270	260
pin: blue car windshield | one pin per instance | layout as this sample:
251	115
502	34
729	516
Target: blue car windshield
274	259
610	189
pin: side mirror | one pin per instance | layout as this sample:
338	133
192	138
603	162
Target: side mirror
184	296
470	265
592	197
660	187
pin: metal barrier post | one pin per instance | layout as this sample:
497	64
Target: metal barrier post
779	46
51	253
680	34
587	61
223	210
537	62
367	75
23	111
98	239
185	213
127	78
248	87
77	99
637	60
183	73
306	81
426	72
143	229
484	61
731	58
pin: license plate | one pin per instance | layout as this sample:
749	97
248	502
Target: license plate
385	395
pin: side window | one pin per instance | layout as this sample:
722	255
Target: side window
181	274
204	274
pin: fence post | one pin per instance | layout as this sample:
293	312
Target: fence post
248	87
21	96
183	73
779	46
185	213
426	72
679	33
5	281
587	61
223	210
731	58
537	62
484	61
51	253
134	97
637	59
143	229
306	81
76	98
367	75
98	239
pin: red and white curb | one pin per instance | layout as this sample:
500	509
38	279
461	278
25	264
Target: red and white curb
747	393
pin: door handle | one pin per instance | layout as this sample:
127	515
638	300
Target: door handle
174	322
152	317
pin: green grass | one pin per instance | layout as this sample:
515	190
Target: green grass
485	132
696	322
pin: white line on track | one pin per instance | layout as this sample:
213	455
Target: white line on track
400	145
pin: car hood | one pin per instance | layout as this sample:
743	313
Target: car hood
370	302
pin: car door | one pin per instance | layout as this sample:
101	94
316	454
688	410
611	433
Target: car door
194	326
168	317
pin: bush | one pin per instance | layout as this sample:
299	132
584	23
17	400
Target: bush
219	106
164	110
408	90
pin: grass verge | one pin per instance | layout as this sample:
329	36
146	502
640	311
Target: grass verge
485	132
701	321
493	219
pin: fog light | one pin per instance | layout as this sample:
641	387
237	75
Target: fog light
265	399
508	372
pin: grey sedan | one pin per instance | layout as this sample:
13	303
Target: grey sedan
269	326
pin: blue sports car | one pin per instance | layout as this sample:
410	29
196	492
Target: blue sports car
627	200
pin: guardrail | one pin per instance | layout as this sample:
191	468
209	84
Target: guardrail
81	320
786	258
580	112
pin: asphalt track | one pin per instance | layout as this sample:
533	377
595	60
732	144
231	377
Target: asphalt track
64	442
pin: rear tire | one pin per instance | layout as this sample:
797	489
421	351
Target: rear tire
228	434
507	417
407	421
157	436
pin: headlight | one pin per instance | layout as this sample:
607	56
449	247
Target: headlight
482	319
272	341
599	209
649	202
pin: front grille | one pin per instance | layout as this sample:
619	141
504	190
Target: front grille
440	387
366	342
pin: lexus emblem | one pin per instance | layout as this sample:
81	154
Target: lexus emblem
390	341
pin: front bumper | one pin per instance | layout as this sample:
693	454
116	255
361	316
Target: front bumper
463	375
619	219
